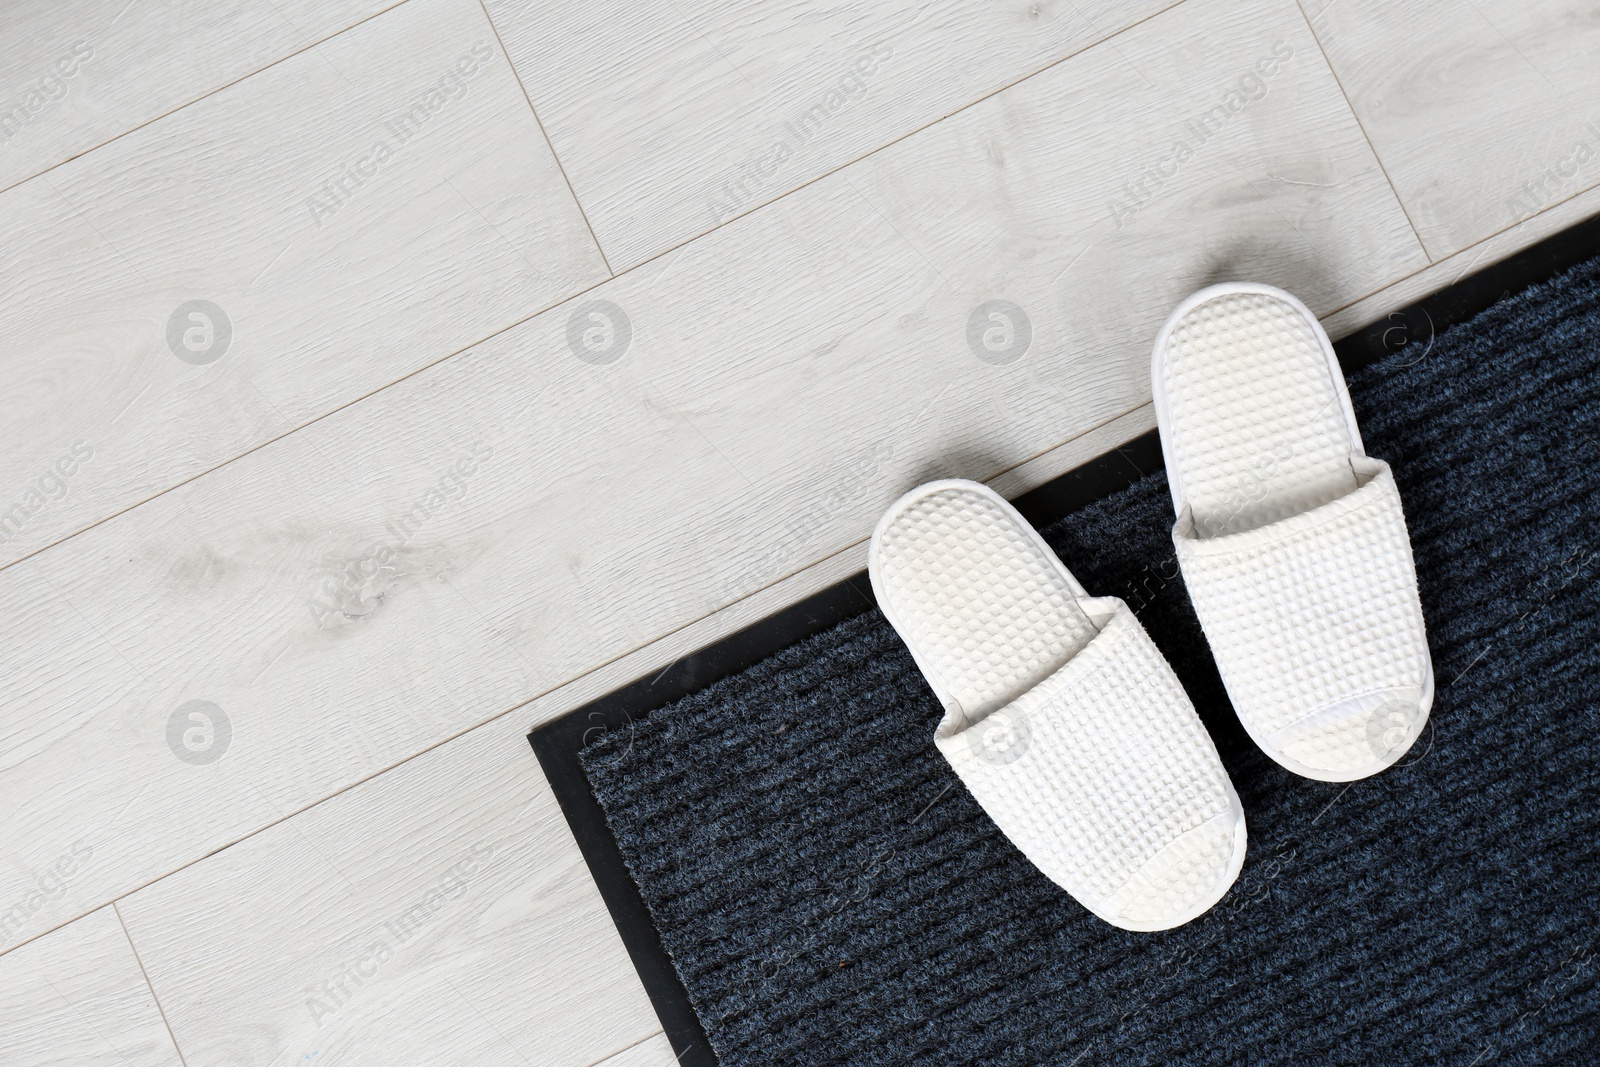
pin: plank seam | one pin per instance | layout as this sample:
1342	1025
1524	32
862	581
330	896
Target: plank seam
208	93
149	984
1350	106
546	135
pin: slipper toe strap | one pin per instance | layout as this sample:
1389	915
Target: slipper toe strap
1103	776
1316	627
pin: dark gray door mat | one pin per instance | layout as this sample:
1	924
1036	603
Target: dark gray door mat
800	878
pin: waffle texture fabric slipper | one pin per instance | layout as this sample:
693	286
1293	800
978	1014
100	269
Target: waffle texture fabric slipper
1061	716
1291	539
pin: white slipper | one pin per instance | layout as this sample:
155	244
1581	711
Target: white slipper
1291	540
1061	716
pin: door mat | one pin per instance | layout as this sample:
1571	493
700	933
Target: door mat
807	882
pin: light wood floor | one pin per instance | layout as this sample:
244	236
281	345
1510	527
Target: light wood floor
384	379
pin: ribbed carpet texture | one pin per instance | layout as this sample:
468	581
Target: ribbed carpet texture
831	894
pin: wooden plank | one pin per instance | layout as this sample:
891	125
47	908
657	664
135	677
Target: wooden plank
652	1052
78	997
1446	272
519	515
76	74
673	116
361	827
356	212
438	914
1483	113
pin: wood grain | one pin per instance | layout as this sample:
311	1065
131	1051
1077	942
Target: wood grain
439	914
358	211
652	1052
77	997
673	116
75	74
1484	113
517	516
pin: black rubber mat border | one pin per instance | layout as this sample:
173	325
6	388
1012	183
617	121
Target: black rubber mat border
558	743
